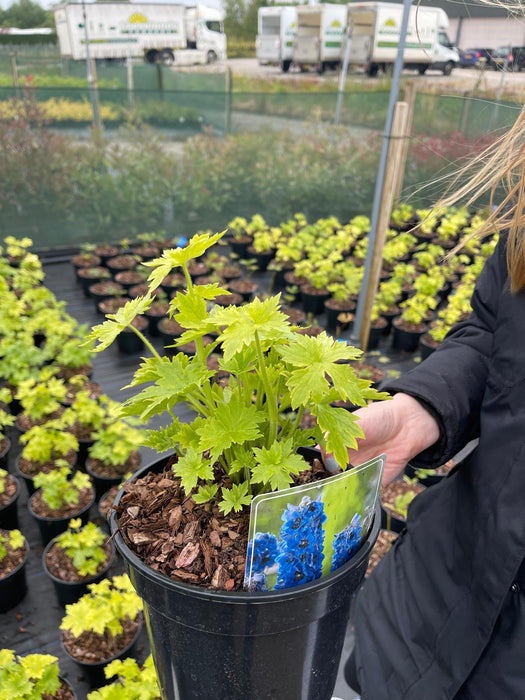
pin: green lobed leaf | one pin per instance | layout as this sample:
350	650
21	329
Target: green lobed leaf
235	498
275	465
341	430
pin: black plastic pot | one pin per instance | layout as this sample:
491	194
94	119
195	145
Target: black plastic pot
28	480
313	303
376	333
277	645
94	672
13	587
102	484
129	342
51	527
425	347
69	592
262	259
240	247
332	314
407	341
9	512
4	453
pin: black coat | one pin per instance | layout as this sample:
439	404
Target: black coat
440	617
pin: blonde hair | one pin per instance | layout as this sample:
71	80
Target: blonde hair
501	164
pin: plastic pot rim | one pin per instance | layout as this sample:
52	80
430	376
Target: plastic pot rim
237	597
20	566
66	517
75	583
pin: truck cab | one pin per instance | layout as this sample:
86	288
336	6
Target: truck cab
205	32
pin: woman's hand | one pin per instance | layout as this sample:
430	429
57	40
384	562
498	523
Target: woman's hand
400	427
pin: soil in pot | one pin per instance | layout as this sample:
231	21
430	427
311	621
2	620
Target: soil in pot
129	278
26	469
230	272
233	299
13	585
94	651
94	389
296	316
24	423
121	262
104	290
69	584
169	330
111	305
189	542
106	502
8	503
156	311
67	372
365	370
393	496
138	290
190	348
104	475
146	252
197	268
53	522
89	275
384	542
105	252
246	288
172	282
312	331
240	245
85	260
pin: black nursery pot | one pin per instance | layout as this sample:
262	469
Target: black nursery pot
69	592
277	644
407	341
4	453
9	512
129	343
13	587
94	672
51	527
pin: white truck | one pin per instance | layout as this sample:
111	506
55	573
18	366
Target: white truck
319	36
375	37
171	33
275	34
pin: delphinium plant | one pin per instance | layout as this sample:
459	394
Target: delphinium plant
246	435
132	683
31	677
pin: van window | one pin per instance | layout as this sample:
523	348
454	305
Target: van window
444	40
214	26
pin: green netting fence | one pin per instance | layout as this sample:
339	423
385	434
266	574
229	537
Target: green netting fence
212	153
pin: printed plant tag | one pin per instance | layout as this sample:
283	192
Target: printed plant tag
300	534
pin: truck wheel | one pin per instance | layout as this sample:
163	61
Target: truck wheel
447	68
285	66
166	57
152	55
371	70
211	57
422	69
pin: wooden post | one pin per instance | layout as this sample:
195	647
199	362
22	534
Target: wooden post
228	105
393	163
129	70
410	99
14	70
97	121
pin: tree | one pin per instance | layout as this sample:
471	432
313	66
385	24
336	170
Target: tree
26	14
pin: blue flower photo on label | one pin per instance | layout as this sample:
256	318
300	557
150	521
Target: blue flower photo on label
346	543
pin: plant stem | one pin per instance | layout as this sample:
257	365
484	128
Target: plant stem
271	398
146	342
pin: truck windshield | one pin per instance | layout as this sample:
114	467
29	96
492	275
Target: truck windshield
214	26
444	40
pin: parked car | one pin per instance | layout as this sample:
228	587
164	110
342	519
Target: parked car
478	58
513	57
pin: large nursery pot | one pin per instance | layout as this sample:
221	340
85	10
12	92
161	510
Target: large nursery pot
238	645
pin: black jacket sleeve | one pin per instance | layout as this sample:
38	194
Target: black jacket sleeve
450	383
